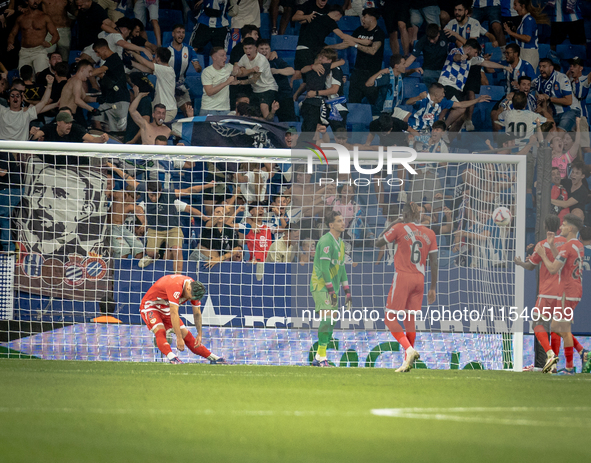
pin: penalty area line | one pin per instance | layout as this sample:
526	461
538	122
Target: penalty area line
443	414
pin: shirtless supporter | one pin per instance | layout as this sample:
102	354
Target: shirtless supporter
57	10
34	25
149	131
74	96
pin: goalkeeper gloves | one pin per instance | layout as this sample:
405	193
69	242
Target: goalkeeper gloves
348	300
334	299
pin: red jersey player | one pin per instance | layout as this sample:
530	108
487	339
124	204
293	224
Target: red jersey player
549	286
413	244
569	265
160	311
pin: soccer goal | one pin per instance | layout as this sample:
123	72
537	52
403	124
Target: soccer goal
87	240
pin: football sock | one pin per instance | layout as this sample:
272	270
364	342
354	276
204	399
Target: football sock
555	339
577	345
568	353
542	337
397	331
162	343
324	334
201	350
409	327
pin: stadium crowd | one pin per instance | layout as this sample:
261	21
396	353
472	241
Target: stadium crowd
359	73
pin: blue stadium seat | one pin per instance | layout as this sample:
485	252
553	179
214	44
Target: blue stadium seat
481	117
285	54
265	25
587	157
349	23
167	38
496	92
289	60
168	18
193	83
359	113
191	69
413	89
73	55
345	69
350	54
346	88
411	81
197	106
568	51
496	53
151	36
284	42
12	75
387	56
543	49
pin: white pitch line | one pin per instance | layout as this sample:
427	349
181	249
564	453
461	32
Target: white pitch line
442	414
209	412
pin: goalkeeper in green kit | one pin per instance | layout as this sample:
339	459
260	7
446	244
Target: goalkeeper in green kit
327	277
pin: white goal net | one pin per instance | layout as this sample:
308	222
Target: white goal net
88	239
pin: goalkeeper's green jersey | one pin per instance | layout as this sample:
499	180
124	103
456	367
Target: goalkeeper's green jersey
329	263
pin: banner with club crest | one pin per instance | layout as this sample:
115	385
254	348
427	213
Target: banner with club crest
61	232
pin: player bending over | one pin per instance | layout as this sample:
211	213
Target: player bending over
328	275
414	243
549	285
569	265
160	311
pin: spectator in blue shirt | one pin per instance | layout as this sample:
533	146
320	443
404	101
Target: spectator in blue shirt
427	107
519	68
181	56
526	35
212	26
555	91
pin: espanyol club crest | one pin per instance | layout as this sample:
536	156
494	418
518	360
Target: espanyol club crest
74	270
185	55
556	86
32	264
95	267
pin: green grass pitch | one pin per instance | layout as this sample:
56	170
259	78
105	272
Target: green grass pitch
58	411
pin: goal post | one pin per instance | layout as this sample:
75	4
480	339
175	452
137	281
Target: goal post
78	283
